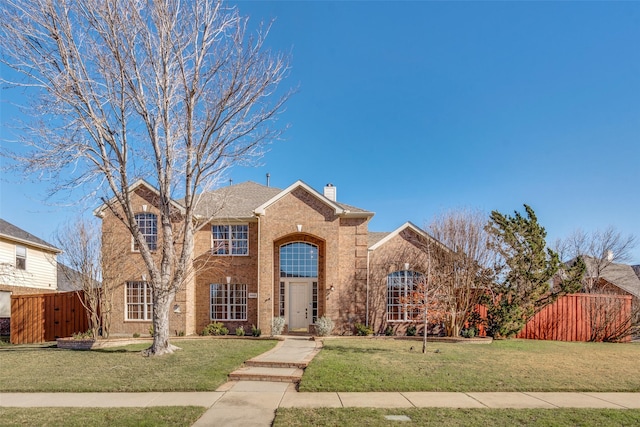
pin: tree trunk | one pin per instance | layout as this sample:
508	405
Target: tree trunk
161	345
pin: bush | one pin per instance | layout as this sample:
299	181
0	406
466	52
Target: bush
363	330
215	328
136	335
151	330
389	331
411	331
86	335
324	326
277	325
469	332
240	331
256	332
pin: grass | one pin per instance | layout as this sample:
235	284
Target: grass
201	365
444	417
98	417
508	365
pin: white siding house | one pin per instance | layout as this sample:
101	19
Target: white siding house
27	263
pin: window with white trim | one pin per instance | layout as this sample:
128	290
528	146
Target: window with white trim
228	301
148	226
21	257
230	239
139	301
400	285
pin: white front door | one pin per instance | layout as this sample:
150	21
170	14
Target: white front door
299	312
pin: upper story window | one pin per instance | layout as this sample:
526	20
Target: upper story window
148	225
230	239
21	257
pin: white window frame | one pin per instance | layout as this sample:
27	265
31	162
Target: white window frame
21	257
401	283
145	296
234	240
150	235
232	297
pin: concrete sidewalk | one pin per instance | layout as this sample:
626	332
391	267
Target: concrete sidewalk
253	403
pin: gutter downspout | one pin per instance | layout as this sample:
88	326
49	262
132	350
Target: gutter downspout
367	312
258	277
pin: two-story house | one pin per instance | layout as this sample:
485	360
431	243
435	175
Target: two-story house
266	252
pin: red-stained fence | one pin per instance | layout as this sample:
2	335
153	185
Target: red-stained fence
582	317
45	317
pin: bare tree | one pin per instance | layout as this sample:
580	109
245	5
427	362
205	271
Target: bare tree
469	264
599	250
166	90
85	252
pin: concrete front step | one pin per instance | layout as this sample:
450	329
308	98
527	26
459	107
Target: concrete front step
260	373
275	364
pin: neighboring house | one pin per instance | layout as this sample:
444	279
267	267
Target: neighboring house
636	269
265	252
605	276
27	263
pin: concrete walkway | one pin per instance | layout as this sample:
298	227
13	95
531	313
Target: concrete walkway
253	403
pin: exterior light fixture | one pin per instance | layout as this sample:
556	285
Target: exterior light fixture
299	226
176	308
228	280
406	266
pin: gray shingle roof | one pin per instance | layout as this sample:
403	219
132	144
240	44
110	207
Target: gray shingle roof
376	236
620	275
10	231
241	200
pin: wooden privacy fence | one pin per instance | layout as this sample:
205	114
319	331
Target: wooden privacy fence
582	317
45	317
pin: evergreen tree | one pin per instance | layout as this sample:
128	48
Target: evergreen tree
525	269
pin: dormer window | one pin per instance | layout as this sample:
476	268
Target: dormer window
230	239
148	226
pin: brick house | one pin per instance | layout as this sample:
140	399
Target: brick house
265	252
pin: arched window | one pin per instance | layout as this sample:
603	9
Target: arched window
400	285
148	225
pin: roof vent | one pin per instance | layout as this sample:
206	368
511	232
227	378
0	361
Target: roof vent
330	192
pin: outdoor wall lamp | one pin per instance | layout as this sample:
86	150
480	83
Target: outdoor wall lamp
176	308
228	280
406	266
299	227
331	289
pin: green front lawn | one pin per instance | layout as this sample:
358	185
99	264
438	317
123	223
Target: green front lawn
201	365
177	416
353	364
443	417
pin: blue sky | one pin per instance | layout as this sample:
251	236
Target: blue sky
414	108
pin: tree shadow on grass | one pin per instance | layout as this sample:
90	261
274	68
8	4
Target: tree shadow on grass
346	350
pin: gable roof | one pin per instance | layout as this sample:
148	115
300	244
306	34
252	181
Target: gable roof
339	208
620	275
18	235
378	239
133	187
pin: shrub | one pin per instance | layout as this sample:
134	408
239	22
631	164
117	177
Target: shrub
389	331
151	330
324	326
469	332
363	330
240	331
136	335
277	325
411	331
256	332
86	335
215	328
